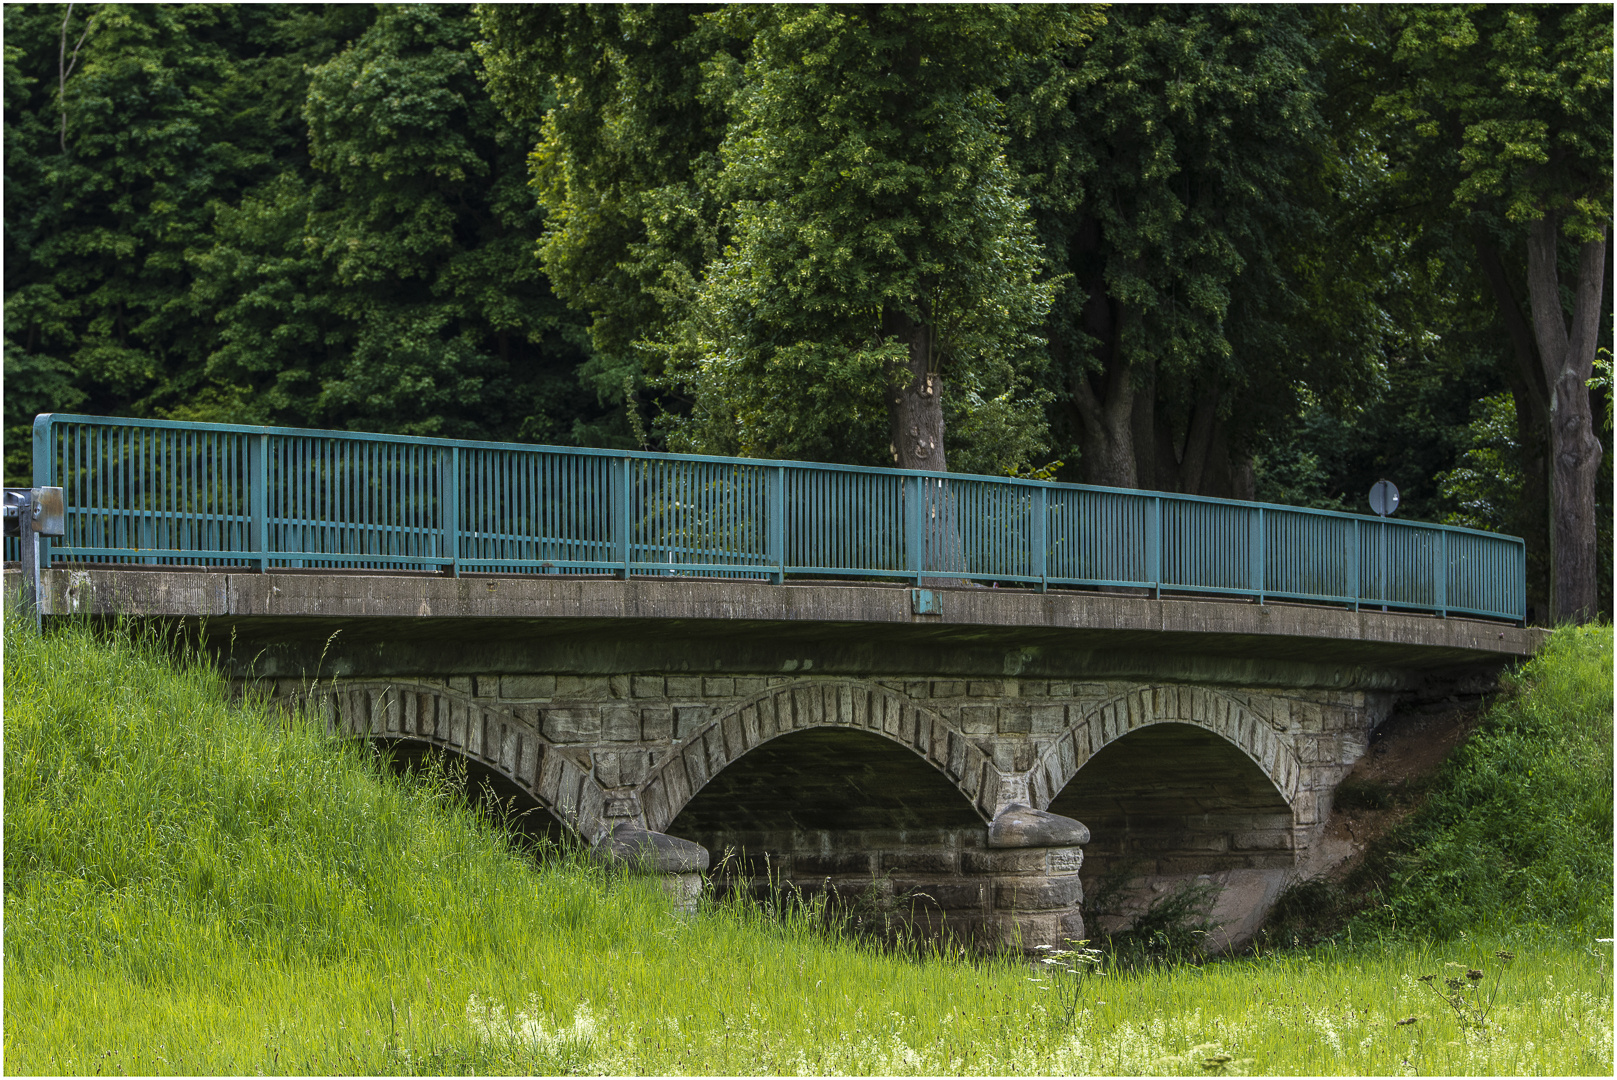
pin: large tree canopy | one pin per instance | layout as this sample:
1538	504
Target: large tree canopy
1181	172
288	213
880	260
391	285
1494	125
632	122
801	220
125	128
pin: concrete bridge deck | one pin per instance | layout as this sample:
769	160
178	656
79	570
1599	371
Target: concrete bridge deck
939	744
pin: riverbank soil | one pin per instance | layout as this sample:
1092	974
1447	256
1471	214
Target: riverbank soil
1342	875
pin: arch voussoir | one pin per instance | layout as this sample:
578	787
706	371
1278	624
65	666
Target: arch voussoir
806	705
1110	720
450	720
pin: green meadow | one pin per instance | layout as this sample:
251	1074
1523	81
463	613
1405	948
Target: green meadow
197	886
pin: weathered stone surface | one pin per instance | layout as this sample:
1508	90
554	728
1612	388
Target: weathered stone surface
1038	893
1019	826
653	852
685	890
950	895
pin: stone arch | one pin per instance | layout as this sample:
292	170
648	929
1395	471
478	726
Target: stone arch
457	722
807	704
1221	714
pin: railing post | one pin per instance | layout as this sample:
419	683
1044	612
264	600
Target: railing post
36	513
29	544
1443	573
1154	545
44	472
1383	589
775	522
620	474
449	506
258	499
1039	541
914	528
1355	571
1255	553
1521	597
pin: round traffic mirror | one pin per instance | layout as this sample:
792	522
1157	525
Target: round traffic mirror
1384	497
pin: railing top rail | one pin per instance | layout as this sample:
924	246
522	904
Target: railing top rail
44	421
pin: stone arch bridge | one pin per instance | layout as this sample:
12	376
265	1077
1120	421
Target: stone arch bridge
980	754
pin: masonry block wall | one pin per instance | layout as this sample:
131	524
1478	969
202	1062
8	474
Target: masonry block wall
1174	778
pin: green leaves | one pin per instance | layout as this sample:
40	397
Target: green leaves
741	197
277	214
1516	102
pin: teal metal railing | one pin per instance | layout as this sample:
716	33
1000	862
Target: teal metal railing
169	493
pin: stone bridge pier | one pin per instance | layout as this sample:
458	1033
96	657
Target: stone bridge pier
972	760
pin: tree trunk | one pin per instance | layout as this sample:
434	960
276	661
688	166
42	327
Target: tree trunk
1106	435
915	425
1190	462
1532	519
1567	360
1103	401
914	398
1187	455
1532	400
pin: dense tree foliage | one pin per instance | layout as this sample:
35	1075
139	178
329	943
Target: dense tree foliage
113	172
1232	250
801	220
1492	126
625	167
392	285
294	214
878	244
1181	172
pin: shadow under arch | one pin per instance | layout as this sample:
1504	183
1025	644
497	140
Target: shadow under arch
534	825
848	705
1172	801
827	779
864	820
516	761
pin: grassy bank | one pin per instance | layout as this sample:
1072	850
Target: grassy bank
1517	826
192	887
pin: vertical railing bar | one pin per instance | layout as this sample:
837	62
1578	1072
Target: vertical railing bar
1383	569
618	487
914	522
1355	561
258	498
1442	596
1155	541
1259	568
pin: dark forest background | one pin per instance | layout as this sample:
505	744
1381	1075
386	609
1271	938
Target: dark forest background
1275	252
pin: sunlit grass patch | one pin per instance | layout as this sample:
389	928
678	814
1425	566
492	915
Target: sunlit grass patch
196	887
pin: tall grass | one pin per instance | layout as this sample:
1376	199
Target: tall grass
197	887
1516	829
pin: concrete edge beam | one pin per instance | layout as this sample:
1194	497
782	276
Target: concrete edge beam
201	592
